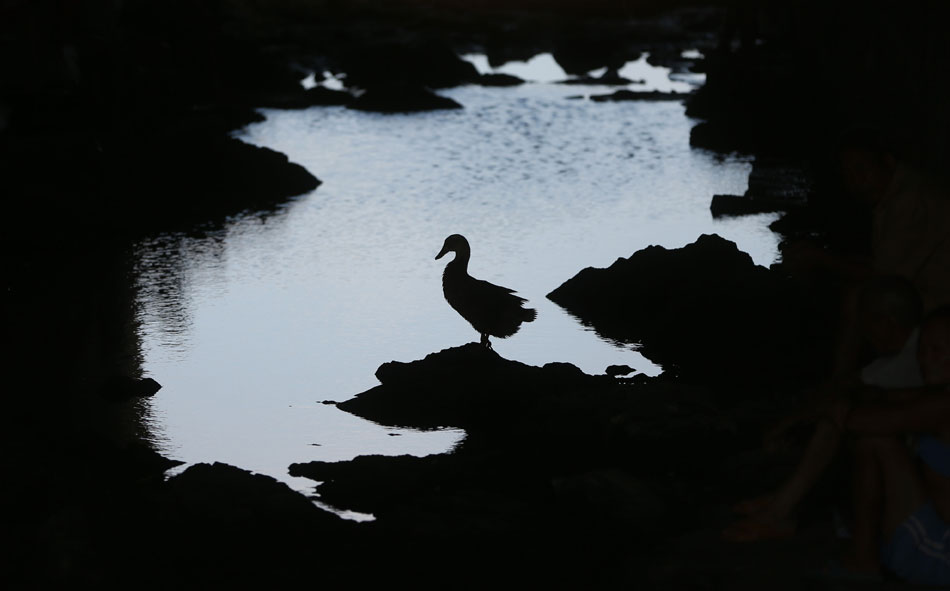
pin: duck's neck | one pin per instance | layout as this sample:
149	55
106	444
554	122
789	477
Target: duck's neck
460	263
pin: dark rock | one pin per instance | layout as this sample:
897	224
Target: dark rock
220	524
118	388
465	387
219	119
303	99
735	205
499	80
722	137
203	178
379	484
609	78
639	95
535	420
140	461
619	370
582	50
232	498
414	63
323	96
774	185
751	103
780	180
615	495
704	311
401	99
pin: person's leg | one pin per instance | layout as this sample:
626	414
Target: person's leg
820	451
772	515
904	490
888	490
868	498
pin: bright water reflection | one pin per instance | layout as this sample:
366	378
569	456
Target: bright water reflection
544	68
251	326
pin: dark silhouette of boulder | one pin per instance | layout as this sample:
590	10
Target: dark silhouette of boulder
722	136
416	62
465	387
227	497
609	78
499	80
735	205
584	49
704	312
619	370
774	185
117	388
401	99
300	98
323	96
639	95
202	178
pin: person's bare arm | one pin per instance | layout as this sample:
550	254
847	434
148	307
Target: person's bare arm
904	411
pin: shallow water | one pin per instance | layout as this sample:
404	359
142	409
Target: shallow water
251	326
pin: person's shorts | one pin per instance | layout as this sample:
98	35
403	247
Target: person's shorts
919	551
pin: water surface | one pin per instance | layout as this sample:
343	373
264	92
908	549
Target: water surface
251	326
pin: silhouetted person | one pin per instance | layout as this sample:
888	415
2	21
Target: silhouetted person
909	234
889	310
901	502
492	310
902	494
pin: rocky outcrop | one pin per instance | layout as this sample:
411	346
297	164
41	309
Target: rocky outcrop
221	496
704	311
119	388
639	95
774	185
556	465
609	78
318	96
581	49
499	80
736	205
206	177
419	61
401	99
470	387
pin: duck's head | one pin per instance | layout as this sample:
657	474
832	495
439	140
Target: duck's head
455	243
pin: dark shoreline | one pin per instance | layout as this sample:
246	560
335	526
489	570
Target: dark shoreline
565	479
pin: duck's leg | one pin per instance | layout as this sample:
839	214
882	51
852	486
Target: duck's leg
485	342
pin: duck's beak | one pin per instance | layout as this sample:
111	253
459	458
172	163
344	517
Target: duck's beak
442	253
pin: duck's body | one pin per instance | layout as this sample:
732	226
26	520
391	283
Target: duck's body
491	309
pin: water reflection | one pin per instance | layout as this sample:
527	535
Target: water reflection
250	326
544	68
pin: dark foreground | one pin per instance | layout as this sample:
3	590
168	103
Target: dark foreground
115	126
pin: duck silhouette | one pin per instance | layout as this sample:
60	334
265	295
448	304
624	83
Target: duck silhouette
492	310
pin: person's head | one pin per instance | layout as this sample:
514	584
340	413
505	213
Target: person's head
933	349
866	163
889	308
